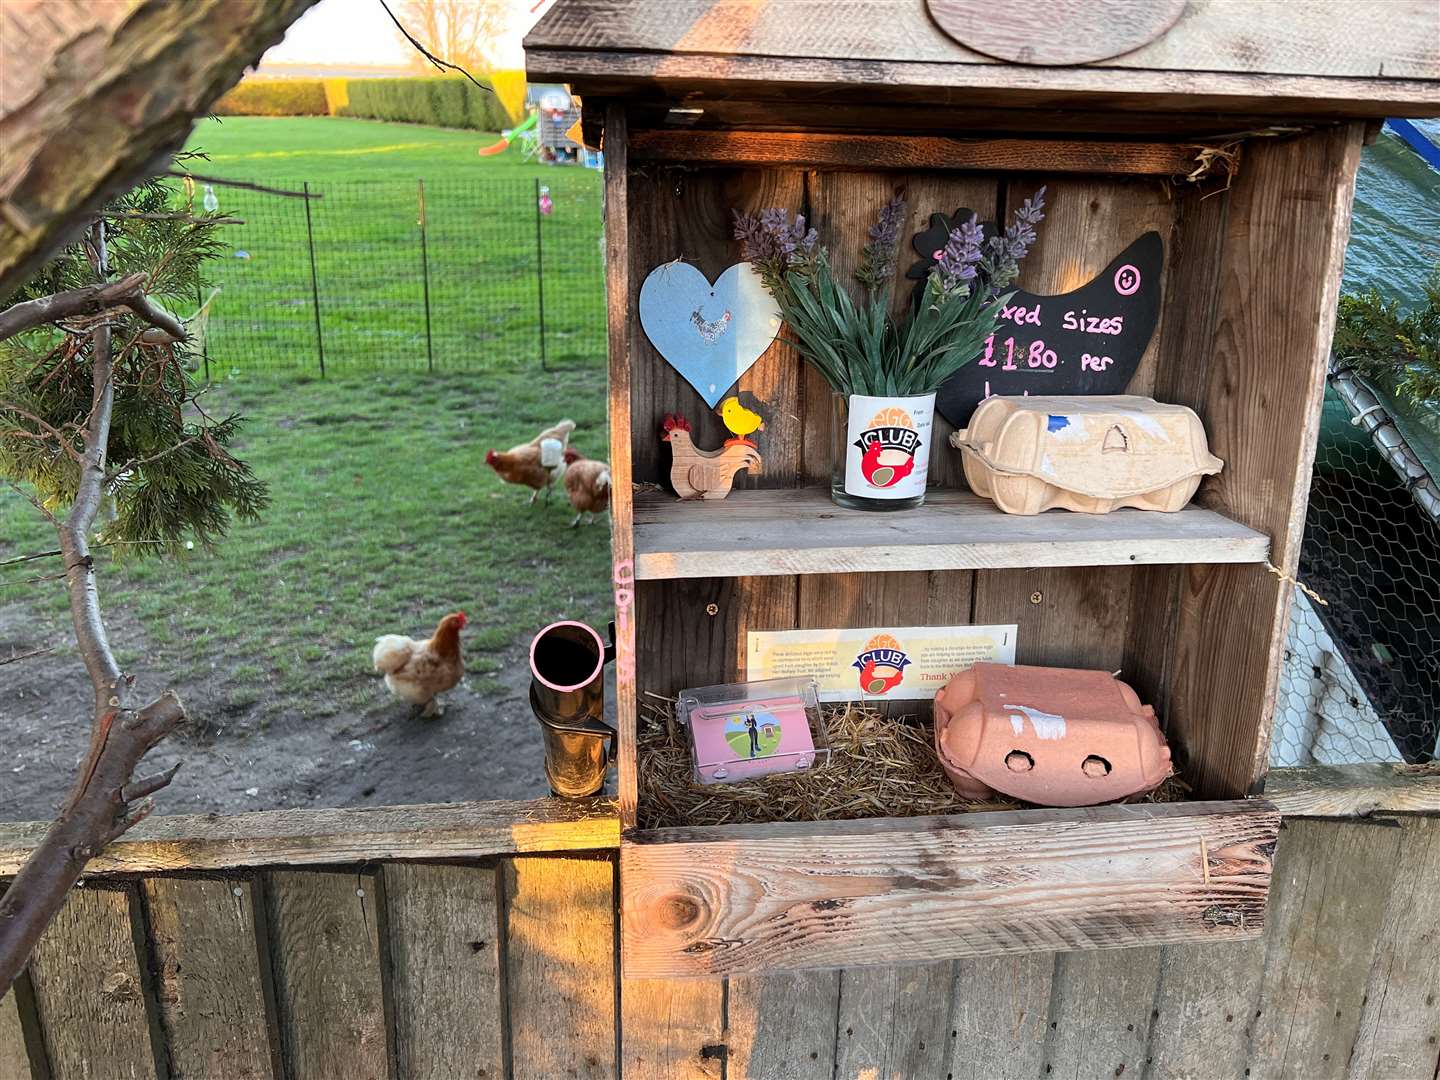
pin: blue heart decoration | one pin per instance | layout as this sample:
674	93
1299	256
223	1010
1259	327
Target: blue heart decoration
710	334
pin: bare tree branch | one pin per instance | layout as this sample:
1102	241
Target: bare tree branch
439	64
244	185
89	300
139	463
136	215
148	785
26	655
33	501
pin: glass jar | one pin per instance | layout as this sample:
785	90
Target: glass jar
880	455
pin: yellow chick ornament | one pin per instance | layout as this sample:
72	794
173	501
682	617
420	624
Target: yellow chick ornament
742	418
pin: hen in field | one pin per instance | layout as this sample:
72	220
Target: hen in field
587	483
534	464
418	671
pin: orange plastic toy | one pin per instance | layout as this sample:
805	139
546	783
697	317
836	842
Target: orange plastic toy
1049	736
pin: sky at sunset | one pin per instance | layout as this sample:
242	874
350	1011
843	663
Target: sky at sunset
359	32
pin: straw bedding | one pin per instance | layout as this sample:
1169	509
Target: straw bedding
879	767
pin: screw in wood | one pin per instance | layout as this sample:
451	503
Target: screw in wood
1036	596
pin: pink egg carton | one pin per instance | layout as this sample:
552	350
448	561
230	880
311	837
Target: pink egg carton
739	731
1049	736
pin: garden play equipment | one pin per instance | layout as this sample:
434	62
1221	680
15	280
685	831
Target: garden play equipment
506	137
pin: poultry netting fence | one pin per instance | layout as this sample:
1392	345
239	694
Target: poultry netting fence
387	275
1361	678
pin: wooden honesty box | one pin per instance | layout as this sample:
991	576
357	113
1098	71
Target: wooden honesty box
829	109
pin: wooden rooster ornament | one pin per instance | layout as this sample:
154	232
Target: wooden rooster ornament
704	474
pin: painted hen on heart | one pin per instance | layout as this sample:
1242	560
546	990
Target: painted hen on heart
710	334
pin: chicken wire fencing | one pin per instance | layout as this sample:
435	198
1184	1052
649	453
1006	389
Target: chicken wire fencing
1361	675
375	275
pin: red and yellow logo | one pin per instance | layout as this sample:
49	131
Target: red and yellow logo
881	665
887	447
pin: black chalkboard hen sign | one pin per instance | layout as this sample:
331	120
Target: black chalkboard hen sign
1087	341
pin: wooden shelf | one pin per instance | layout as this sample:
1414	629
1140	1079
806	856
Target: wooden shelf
801	531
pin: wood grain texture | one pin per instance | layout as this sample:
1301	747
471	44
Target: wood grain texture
560	966
672	1029
812	150
96	97
445	979
804	532
91	989
1100	1013
783	1025
894	1022
1056	31
739	899
688	215
1320	37
1203	1010
14	1057
216	1005
1000	1005
1351	790
1400	1015
1334	881
622	539
353	834
1276	99
326	956
1285	232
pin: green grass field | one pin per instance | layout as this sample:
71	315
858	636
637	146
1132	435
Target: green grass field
480	247
384	516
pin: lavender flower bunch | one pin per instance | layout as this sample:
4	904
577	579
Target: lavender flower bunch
877	265
859	346
775	245
967	256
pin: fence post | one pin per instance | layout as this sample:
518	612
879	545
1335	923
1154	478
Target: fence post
540	274
314	280
425	277
204	337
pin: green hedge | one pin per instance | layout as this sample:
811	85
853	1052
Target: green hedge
444	101
275	97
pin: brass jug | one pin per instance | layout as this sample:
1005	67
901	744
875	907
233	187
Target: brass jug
567	696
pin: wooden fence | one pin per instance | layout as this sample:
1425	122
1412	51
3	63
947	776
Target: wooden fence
506	966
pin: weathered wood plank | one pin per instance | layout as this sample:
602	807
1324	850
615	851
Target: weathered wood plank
1284	98
1305	37
688	214
91	988
1400	1016
803	532
1289	213
998	1018
823	151
445	982
1100	1013
738	899
1352	790
326	956
14	1055
560	966
622	540
894	1022
328	837
783	1025
672	1029
1333	886
1203	1010
216	1007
